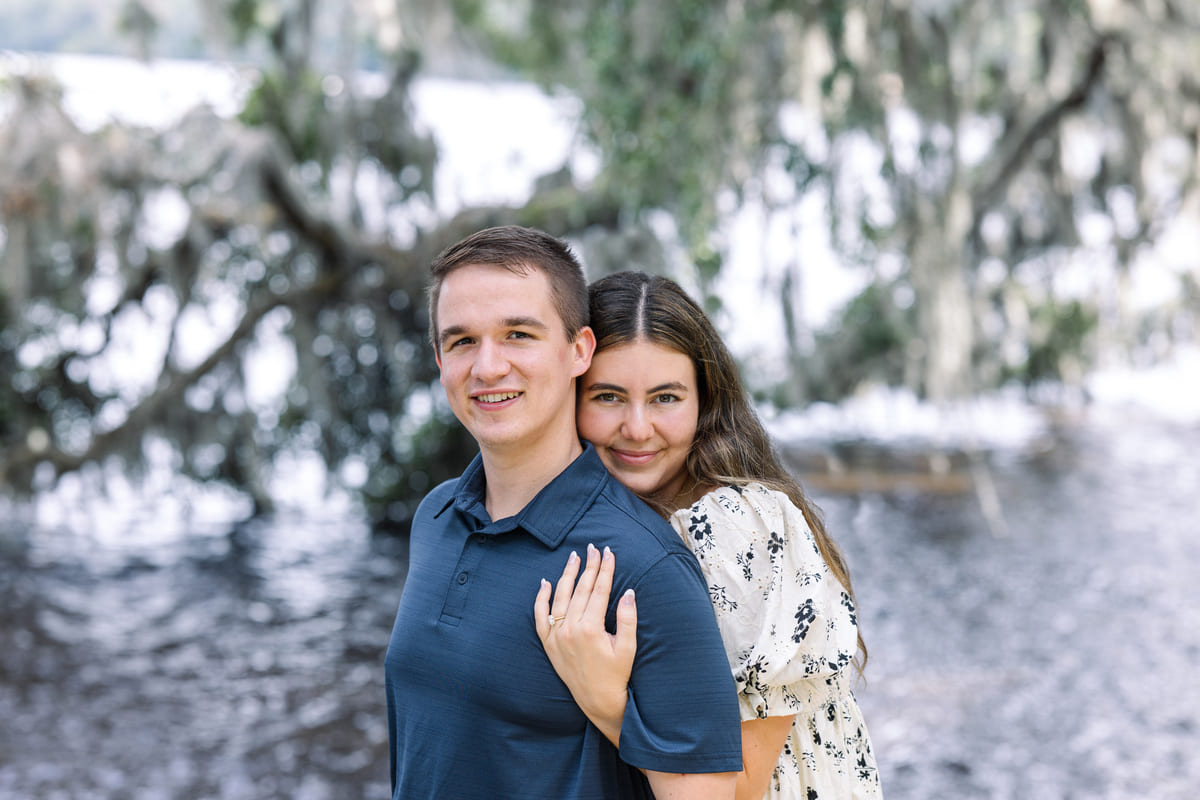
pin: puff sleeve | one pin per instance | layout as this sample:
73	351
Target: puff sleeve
788	624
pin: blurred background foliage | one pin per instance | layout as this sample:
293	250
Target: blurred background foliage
998	173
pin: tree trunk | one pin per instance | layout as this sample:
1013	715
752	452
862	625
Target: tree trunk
942	296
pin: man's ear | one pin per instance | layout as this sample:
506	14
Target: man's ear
437	356
585	348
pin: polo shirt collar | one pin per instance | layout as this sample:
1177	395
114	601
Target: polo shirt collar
553	511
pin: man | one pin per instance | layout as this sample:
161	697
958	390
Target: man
475	709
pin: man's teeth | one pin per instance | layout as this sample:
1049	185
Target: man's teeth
498	397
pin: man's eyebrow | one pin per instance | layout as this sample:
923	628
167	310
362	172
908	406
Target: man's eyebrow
525	322
450	333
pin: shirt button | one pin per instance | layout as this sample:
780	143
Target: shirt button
462	578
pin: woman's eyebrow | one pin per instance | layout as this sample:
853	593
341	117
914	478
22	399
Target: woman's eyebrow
674	386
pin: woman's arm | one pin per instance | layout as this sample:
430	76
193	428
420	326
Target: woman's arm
692	786
594	664
762	742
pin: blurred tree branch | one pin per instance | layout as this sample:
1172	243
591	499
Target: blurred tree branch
955	151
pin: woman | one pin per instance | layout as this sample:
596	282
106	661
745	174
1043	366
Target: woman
664	406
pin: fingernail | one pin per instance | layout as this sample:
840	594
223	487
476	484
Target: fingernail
545	583
607	554
591	549
627	598
573	557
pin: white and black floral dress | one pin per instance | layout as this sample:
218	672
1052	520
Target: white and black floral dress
790	632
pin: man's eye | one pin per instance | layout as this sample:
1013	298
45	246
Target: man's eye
457	342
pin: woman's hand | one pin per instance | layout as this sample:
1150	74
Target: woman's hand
594	664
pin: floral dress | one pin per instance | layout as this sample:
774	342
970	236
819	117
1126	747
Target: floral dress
790	633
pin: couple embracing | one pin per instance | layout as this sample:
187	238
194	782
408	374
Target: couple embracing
620	456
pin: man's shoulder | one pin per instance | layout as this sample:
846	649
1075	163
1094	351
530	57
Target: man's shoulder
437	498
619	509
615	498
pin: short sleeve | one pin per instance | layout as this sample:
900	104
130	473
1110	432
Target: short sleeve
787	623
682	715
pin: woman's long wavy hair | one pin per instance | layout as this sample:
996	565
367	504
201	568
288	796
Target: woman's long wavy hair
731	445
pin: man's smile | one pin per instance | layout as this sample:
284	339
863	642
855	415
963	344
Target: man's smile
496	397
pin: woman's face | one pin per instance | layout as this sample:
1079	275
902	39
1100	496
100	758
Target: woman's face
639	405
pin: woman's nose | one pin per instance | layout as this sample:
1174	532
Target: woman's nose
636	425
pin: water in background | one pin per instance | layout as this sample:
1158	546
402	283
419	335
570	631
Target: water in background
1052	658
1056	659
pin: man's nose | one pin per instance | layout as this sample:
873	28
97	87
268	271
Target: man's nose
490	362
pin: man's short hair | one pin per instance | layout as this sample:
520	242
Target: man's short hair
519	250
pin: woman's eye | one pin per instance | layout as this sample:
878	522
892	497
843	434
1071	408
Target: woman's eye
667	398
605	397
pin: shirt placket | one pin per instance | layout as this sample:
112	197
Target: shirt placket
462	577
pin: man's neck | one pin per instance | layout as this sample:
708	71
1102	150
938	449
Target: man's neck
513	480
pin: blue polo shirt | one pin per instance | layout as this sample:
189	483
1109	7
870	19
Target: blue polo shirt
475	709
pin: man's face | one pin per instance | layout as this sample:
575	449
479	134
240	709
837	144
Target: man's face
506	363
